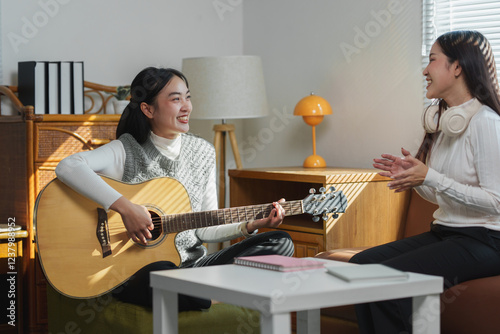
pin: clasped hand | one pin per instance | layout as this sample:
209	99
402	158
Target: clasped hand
407	172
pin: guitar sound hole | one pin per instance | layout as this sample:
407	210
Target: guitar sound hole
157	231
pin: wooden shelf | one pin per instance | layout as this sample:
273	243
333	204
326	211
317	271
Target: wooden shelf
374	214
311	175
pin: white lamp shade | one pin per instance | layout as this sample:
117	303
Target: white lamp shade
228	87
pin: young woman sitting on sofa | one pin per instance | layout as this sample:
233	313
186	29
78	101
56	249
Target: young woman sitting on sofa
456	168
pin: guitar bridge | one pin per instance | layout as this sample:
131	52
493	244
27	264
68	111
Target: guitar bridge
102	232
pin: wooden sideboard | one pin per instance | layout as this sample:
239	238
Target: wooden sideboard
374	214
31	146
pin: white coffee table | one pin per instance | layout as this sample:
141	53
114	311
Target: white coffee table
276	294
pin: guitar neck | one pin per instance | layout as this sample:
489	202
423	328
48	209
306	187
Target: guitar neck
186	221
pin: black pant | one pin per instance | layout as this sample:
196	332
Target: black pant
456	254
137	289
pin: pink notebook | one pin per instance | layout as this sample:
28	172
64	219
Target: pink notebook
278	262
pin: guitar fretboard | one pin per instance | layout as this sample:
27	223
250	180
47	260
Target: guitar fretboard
186	221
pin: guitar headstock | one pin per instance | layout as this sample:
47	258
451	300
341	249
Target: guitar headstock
324	203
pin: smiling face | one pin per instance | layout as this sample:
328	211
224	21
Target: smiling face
445	78
169	114
441	75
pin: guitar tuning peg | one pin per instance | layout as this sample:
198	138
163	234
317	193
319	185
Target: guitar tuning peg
315	219
335	215
312	191
332	188
325	216
322	190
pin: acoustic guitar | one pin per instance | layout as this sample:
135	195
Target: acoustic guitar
84	251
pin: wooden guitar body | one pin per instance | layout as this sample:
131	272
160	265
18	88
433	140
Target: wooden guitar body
70	251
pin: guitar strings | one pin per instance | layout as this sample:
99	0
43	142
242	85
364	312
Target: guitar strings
215	216
233	214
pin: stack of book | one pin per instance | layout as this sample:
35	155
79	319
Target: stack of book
52	87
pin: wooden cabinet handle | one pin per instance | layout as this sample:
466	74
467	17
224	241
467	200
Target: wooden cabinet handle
98	141
76	135
88	143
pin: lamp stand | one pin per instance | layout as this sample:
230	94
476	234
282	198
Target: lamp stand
220	156
314	160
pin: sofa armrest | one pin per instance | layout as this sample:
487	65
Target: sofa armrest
341	254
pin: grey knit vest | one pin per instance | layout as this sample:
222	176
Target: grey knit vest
192	168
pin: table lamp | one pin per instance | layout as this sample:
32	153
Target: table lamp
228	87
312	108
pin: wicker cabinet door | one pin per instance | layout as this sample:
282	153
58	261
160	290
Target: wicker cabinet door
43	175
55	141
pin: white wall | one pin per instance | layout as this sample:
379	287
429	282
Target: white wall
117	38
375	94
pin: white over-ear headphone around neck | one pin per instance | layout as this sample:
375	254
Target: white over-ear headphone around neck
453	121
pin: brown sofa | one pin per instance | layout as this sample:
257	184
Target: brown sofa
469	307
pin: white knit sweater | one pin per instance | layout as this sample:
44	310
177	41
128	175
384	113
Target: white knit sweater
464	174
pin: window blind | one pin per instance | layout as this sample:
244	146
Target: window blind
440	16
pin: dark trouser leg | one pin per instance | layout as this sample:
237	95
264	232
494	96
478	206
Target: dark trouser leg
456	254
137	289
274	242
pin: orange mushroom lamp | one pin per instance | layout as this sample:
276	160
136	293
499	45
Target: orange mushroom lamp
313	108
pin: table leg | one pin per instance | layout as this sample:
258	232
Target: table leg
308	322
275	323
165	312
426	314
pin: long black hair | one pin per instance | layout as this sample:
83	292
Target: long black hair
144	88
475	56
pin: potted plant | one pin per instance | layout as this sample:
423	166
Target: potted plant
121	95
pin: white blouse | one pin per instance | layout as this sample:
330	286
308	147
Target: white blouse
464	174
80	172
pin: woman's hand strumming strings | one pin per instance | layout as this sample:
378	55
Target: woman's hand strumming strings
136	218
